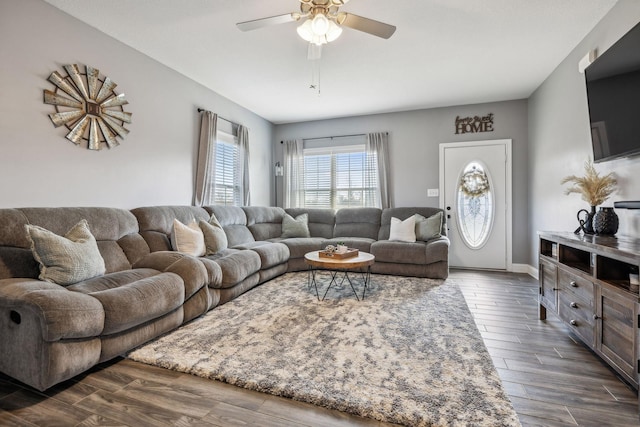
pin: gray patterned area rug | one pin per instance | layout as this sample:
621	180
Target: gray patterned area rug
410	353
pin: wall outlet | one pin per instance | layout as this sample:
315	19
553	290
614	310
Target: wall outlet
432	192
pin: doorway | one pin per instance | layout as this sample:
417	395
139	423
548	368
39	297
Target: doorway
475	184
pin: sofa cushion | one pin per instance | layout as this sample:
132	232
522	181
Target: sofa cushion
112	280
234	222
188	238
299	246
215	238
264	222
123	296
271	253
66	259
357	222
411	253
403	231
295	227
236	265
428	228
400	252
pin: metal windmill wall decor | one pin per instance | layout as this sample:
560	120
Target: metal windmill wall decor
88	106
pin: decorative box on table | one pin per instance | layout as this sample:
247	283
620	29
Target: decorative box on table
350	253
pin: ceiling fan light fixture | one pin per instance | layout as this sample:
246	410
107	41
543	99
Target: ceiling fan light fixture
320	24
305	31
319	30
333	32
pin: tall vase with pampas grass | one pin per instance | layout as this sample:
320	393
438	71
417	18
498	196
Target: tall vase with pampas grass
594	189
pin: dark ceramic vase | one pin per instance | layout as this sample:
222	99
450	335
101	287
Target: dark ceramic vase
605	222
586	221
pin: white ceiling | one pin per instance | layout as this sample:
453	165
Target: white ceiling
444	52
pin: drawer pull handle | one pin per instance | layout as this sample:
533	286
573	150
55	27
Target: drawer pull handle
573	284
555	289
596	317
573	305
573	322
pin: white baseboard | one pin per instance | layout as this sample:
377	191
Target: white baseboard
525	268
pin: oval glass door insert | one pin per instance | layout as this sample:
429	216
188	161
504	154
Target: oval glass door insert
475	210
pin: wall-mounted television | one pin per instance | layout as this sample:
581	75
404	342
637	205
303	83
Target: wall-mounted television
613	92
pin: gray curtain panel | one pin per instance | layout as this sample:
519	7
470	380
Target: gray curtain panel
243	143
377	147
293	174
206	167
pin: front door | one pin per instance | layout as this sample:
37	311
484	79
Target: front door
475	180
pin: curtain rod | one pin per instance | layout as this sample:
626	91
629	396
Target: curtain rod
200	110
335	136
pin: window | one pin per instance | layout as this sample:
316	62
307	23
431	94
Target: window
339	177
222	173
227	189
475	205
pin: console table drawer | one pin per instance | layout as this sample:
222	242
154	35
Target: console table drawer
576	285
578	314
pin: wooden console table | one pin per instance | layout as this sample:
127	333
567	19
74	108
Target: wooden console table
584	279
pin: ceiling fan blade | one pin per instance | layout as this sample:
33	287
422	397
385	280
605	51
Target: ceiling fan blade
265	22
366	25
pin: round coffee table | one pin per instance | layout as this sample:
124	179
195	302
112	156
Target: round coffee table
357	264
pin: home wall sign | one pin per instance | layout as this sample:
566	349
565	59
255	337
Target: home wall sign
88	106
474	124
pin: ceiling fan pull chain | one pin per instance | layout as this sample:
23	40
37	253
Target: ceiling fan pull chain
314	53
315	76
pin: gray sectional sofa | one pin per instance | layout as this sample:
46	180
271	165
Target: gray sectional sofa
50	333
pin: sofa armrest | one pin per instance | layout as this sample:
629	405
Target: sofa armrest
214	271
190	269
442	240
438	249
33	307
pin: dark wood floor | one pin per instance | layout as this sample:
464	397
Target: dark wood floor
551	379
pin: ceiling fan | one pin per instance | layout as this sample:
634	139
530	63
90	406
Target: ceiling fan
323	22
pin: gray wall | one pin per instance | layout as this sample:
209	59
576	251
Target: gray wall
560	141
154	165
414	139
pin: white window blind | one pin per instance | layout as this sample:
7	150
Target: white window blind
227	189
338	177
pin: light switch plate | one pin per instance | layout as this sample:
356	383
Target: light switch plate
432	192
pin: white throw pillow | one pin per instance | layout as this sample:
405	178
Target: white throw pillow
188	239
403	231
67	259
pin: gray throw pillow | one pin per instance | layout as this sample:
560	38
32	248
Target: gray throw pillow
298	227
215	239
428	228
67	259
